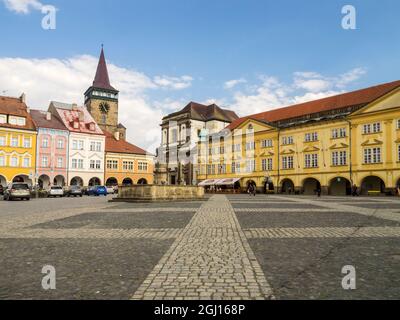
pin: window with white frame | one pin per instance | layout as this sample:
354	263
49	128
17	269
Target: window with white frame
250	145
98	164
339	133
267	143
142	166
287	162
372	155
92	146
27	142
45	162
80	163
12	120
311	160
339	158
98	146
372	128
3	118
74	163
112	164
235	168
250	165
287	140
45	142
60	144
2	141
210	169
27	163
81	144
60	162
266	164
222	169
311	137
2	161
21	122
92	164
127	165
236	147
14	161
14	142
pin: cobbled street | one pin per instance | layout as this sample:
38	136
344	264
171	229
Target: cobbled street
227	247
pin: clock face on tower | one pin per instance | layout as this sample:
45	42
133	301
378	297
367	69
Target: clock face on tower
104	107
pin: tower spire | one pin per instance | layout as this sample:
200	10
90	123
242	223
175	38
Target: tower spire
102	80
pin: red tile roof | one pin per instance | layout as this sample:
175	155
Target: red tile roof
15	107
40	119
121	146
356	98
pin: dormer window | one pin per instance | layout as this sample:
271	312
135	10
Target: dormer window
3	118
17	121
92	126
76	125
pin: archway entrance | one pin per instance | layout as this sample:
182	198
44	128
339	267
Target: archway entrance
310	186
142	181
44	182
94	182
287	186
77	181
111	182
127	182
59	181
372	184
269	187
3	181
22	179
340	187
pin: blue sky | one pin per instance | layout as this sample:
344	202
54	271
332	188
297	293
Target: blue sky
243	54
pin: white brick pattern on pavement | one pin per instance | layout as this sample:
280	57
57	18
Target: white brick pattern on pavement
211	259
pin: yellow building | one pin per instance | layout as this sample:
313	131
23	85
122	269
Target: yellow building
331	144
17	142
126	164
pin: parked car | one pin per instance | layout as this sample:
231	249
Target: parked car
97	191
56	191
74	191
20	191
110	189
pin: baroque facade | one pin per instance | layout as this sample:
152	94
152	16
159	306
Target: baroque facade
331	144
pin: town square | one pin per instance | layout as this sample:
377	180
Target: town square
143	171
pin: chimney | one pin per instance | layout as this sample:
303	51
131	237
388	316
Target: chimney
48	116
81	116
74	107
22	98
116	135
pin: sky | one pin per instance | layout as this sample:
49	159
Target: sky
246	55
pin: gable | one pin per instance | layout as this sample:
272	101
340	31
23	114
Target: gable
257	126
387	102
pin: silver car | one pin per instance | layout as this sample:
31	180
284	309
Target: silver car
17	191
56	191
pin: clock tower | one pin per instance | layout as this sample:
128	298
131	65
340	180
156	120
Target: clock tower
101	100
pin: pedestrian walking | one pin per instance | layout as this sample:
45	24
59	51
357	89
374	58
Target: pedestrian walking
354	192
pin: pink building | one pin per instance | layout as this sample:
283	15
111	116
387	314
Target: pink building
51	150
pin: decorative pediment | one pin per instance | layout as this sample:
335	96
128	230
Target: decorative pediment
287	151
72	155
387	102
339	146
255	125
372	142
311	149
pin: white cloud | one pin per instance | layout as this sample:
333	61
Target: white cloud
305	86
23	6
233	83
175	83
66	80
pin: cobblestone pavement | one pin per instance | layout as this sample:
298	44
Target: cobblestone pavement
229	247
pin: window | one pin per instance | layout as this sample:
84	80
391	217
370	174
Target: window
142	166
2	161
236	147
398	152
311	137
174	135
92	164
12	120
266	164
60	144
287	162
80	163
250	165
92	146
45	162
81	145
14	162
98	146
26	163
74	163
27	142
98	164
398	124
3	118
339	158
60	162
311	160
372	128
250	145
235	167
45	142
14	141
210	169
2	141
75	144
287	140
112	164
21	121
222	169
266	143
127	165
372	155
339	133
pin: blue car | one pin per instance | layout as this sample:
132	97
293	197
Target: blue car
97	191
